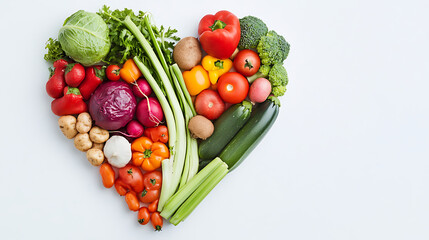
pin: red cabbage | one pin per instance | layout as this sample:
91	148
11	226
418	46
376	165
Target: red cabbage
112	105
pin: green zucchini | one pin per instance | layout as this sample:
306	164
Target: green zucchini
225	127
251	133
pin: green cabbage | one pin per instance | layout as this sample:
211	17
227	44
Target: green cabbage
85	37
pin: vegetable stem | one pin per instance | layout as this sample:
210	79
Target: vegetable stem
182	84
200	193
177	199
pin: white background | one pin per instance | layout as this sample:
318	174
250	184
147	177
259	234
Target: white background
348	157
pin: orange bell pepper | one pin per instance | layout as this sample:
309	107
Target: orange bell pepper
129	71
196	80
148	154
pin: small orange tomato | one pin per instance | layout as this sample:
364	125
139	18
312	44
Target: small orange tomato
132	201
143	216
107	175
153	206
157	221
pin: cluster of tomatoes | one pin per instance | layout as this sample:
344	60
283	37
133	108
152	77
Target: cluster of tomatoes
232	87
136	187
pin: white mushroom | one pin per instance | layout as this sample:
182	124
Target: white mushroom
117	150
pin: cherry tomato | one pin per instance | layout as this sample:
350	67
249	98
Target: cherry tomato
157	221
152	180
143	216
107	175
247	62
132	201
112	72
233	87
153	206
209	104
148	196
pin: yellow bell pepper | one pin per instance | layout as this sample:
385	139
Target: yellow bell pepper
216	67
196	80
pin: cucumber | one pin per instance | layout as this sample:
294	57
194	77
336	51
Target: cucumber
225	127
251	134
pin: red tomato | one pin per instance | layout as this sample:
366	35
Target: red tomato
157	221
247	62
233	87
209	104
152	180
112	72
153	206
132	201
148	196
143	216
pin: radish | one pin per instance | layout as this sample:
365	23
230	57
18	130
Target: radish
149	112
141	88
134	129
259	90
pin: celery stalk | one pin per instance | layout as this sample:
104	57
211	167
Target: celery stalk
200	193
177	199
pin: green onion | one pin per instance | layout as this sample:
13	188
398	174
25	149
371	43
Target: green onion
182	84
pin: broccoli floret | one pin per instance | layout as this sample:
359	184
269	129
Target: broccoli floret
264	69
278	91
252	29
278	75
263	72
273	48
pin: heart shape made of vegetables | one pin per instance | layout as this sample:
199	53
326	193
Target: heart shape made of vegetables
163	123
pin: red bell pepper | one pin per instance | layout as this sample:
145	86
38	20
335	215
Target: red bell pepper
69	104
56	83
219	34
94	76
130	179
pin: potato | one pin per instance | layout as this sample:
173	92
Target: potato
82	142
187	53
84	122
97	145
98	135
95	156
68	126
